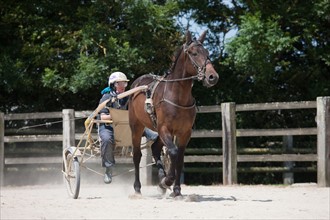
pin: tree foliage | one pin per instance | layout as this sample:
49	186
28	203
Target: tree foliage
63	51
280	51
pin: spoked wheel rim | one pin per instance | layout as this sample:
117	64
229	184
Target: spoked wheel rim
72	176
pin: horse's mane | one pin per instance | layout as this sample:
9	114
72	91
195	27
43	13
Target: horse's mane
176	55
174	59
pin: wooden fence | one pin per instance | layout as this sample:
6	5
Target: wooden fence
228	133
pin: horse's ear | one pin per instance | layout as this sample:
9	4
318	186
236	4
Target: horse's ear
188	37
202	37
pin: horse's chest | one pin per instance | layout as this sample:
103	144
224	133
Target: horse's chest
182	118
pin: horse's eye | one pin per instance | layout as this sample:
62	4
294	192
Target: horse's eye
194	54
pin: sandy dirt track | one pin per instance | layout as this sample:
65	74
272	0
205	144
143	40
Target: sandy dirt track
116	201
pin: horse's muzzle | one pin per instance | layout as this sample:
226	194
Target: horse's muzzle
211	76
210	79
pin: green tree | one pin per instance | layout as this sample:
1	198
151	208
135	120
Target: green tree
63	51
219	19
280	51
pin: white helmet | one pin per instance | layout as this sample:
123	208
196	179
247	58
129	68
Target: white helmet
117	77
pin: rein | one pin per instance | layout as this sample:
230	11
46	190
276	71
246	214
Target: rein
200	70
161	79
200	76
154	85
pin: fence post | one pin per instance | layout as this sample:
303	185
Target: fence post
288	177
323	141
2	148
229	143
68	128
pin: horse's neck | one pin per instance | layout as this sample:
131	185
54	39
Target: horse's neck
181	90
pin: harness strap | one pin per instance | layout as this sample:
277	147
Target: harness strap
178	106
149	106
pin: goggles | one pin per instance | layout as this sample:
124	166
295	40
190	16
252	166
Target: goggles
122	84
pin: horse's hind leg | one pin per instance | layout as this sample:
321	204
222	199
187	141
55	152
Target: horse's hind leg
137	154
137	159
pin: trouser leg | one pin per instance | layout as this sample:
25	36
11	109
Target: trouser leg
150	134
107	146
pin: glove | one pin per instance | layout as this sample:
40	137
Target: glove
112	100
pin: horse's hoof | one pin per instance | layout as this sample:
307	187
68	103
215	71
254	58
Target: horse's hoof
176	196
176	192
137	189
163	185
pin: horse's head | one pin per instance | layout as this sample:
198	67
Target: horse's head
200	60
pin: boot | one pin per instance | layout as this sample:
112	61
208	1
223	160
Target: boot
107	175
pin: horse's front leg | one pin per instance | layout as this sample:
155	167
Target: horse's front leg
182	142
173	154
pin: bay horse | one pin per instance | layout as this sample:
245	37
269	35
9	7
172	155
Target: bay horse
169	108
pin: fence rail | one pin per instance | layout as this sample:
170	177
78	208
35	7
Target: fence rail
230	156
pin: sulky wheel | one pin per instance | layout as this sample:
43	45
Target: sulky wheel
72	175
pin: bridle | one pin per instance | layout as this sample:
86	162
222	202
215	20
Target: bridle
199	76
199	69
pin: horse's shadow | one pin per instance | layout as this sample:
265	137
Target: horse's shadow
206	198
196	198
216	198
209	198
